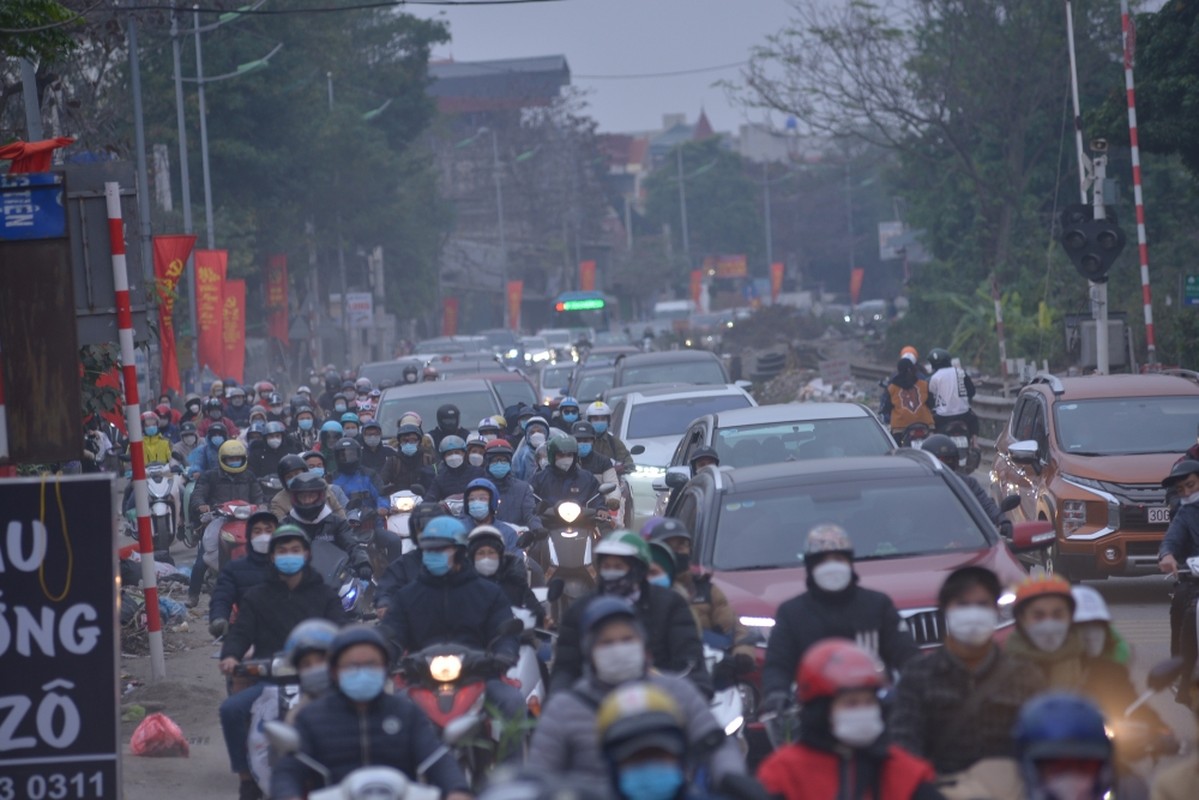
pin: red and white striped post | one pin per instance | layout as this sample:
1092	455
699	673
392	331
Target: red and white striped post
133	420
1142	242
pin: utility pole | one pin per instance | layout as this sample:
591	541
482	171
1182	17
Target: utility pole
33	109
209	231
683	207
769	232
185	181
139	143
497	174
341	255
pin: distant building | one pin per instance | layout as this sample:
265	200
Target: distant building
506	84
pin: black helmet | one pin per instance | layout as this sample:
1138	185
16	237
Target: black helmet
703	452
668	528
1181	470
186	428
938	358
448	416
217	428
941	447
355	635
411	374
420	518
346	451
290	463
304	483
332	382
582	430
213	403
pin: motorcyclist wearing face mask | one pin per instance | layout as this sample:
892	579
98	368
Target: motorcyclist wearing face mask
405	569
505	566
490	429
942	448
517	504
564	479
524	463
1044	633
567	416
843	750
448	424
289	467
1180	543
1063	749
450	603
236	407
453	473
188	439
307	651
214	412
310	512
475	445
193	409
622	560
231	480
360	724
644	745
306	433
616	654
606	442
242	574
156	449
411	465
375	454
275	444
318	465
480	504
203	457
359	483
834	606
956	705
266	615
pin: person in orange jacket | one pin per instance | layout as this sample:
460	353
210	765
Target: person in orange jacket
843	750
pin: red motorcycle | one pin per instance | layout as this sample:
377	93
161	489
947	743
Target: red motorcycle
225	532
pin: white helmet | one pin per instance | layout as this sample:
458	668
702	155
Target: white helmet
598	409
1089	605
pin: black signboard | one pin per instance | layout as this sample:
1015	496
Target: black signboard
58	640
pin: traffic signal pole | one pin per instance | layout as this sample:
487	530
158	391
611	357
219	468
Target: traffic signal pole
1099	290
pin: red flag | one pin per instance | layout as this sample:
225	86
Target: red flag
776	281
170	257
210	288
449	316
516	291
856	276
276	296
233	330
586	276
697	285
33	156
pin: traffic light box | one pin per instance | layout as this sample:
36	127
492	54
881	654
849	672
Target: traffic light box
1092	244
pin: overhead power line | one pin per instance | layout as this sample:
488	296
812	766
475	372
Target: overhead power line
669	74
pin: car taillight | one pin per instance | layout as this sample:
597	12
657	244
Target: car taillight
1074	514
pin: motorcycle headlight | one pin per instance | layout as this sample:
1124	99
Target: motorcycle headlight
445	669
734	725
243	512
1007	602
403	504
349	594
761	626
569	511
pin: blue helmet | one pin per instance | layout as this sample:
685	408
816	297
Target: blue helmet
483	483
311	635
451	443
1061	725
332	426
441	530
349	416
567	402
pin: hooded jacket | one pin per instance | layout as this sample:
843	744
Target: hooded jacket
235	579
577	484
447	482
269	611
399	573
401	472
517	505
331	528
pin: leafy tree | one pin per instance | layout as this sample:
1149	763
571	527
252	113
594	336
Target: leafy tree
46	29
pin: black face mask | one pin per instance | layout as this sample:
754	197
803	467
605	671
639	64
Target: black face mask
682	562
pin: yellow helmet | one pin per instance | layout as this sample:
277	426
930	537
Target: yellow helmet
637	717
233	457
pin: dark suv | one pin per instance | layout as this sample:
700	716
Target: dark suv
670	366
1088	455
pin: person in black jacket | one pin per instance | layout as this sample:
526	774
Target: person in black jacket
451	476
310	512
359	724
485	547
450	603
375	454
405	569
410	467
834	606
266	615
266	453
242	574
564	479
672	634
230	480
448	424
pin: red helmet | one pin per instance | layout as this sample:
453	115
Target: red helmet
836	665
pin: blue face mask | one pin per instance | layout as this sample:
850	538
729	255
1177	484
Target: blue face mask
317	471
600	427
361	684
651	780
584	449
478	509
499	469
662	580
572	416
152	430
409	448
289	563
216	441
305	424
436	561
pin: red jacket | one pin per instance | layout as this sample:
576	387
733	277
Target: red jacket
799	772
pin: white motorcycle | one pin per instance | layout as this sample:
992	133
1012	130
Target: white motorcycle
728	704
402	505
165	489
280	696
530	672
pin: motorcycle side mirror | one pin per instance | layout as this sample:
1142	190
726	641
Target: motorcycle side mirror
557	587
1164	673
1012	501
604	488
417	489
284	739
1028	537
637	449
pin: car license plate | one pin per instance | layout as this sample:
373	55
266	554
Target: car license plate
1159	515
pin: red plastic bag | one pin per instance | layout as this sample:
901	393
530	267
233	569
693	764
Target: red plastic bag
158	735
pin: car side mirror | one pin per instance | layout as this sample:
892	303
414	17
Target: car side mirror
1009	503
1164	673
1024	452
605	488
677	477
637	449
1028	537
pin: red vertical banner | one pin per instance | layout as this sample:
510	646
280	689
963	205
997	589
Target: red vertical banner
211	266
776	281
276	296
449	316
856	275
170	257
516	291
697	285
586	276
233	330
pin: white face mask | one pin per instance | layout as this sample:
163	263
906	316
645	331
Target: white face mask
858	727
613	574
487	566
261	543
536	439
1069	786
454	461
1048	635
619	662
543	462
476	459
1093	639
1190	499
564	464
274	442
372	440
971	625
832	576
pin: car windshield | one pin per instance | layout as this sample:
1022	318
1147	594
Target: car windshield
391	371
698	372
513	392
1127	425
557	338
767	529
593	384
671	417
556	377
775	442
503	339
474	405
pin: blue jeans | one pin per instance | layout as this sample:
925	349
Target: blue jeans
235	725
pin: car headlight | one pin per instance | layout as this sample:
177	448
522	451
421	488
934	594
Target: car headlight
445	669
513	353
1074	514
761	626
569	511
648	472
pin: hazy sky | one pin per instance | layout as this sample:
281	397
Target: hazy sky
621	37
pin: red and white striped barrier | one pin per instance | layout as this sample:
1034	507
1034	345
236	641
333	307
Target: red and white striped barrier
1142	242
141	496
